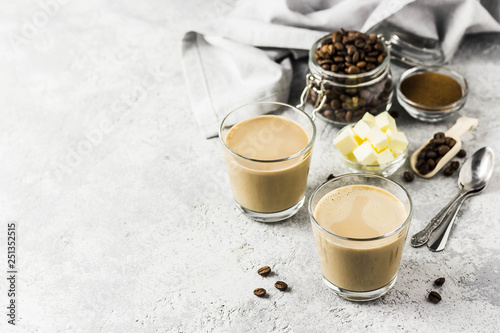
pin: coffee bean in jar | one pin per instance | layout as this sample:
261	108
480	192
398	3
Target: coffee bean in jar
350	71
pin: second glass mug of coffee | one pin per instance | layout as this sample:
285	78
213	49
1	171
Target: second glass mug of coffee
359	267
267	148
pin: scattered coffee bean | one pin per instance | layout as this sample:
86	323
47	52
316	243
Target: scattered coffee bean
259	292
461	153
434	297
394	114
455	165
281	285
352	53
409	176
439	281
264	271
330	176
448	171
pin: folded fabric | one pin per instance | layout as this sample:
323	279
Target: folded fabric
246	56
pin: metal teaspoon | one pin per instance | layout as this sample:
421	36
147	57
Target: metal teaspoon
474	175
478	170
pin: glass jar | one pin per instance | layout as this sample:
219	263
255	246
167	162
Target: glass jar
344	98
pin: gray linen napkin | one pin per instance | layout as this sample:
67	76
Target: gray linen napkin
246	56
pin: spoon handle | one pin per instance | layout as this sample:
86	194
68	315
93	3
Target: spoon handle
439	237
421	237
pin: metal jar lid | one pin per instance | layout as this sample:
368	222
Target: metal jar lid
410	49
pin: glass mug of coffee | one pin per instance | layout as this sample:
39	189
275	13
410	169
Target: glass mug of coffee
360	223
267	148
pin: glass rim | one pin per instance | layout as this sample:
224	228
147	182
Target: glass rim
387	235
302	151
452	107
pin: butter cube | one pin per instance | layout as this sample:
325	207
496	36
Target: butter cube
377	138
346	142
397	140
365	154
385	121
362	128
396	152
385	157
352	157
369	119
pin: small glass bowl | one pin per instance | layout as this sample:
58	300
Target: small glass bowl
385	170
432	113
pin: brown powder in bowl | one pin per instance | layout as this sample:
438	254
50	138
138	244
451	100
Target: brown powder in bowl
431	89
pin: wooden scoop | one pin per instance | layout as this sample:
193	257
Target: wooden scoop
463	125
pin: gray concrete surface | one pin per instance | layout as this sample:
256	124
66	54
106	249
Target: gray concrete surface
125	220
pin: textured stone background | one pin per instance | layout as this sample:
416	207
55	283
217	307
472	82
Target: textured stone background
125	216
